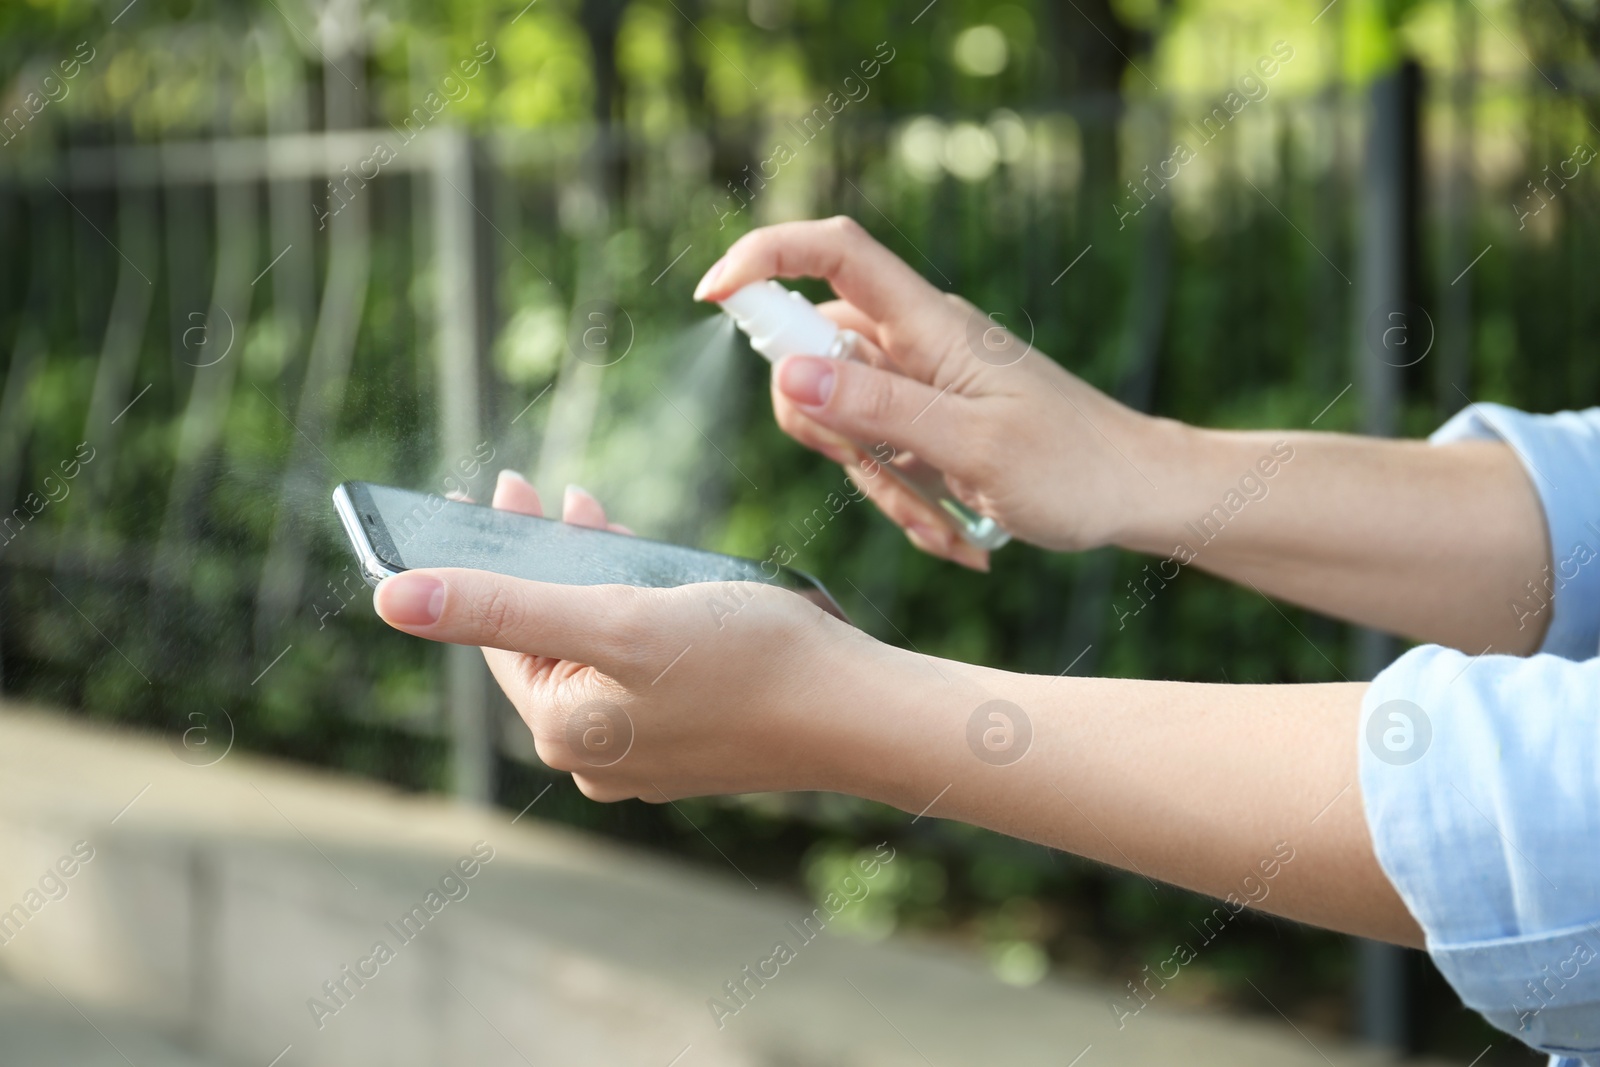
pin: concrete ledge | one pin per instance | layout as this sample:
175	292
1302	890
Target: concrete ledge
220	899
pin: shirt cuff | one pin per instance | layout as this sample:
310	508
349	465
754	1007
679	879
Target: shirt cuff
1479	783
1561	455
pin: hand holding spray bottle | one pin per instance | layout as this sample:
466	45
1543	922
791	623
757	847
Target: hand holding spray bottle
780	322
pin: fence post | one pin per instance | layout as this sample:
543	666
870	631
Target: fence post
1453	370
1389	332
460	430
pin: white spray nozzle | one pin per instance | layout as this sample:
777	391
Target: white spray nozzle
780	322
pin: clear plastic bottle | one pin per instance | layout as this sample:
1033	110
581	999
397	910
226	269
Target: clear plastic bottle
780	322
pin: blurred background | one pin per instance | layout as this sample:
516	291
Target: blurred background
249	250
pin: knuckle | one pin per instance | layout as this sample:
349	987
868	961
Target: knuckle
600	792
848	228
871	397
982	458
500	611
959	306
543	721
632	626
554	753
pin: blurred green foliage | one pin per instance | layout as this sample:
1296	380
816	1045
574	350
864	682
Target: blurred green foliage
611	137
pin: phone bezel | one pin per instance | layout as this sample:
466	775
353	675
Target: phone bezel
367	540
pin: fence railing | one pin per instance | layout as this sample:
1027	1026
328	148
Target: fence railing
203	336
231	325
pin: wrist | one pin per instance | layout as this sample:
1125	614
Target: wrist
897	732
1171	458
1204	478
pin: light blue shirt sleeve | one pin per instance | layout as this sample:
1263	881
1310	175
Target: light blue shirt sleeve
1481	775
1561	455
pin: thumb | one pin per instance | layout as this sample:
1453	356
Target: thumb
868	405
604	626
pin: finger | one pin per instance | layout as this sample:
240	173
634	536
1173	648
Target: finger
851	317
513	492
580	508
925	526
617	527
458	496
507	670
862	403
590	624
860	269
810	433
546	707
603	790
514	673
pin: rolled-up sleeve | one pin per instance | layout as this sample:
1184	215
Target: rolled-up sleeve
1483	795
1561	455
1480	774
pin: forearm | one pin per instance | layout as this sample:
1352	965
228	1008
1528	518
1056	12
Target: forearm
1435	543
1203	786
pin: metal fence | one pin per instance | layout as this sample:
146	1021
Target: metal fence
205	335
230	325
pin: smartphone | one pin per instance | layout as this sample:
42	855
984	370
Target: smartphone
394	530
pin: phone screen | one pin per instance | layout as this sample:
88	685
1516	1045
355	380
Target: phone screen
395	530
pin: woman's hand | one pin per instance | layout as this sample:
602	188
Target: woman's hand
1055	461
739	687
657	693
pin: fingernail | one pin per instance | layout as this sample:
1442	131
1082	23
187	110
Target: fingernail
806	380
575	493
411	599
510	475
710	279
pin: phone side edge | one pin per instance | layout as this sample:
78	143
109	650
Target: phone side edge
807	586
373	569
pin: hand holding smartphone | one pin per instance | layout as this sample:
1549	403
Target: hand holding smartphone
646	670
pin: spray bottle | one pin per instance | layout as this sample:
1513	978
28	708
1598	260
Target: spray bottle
780	322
